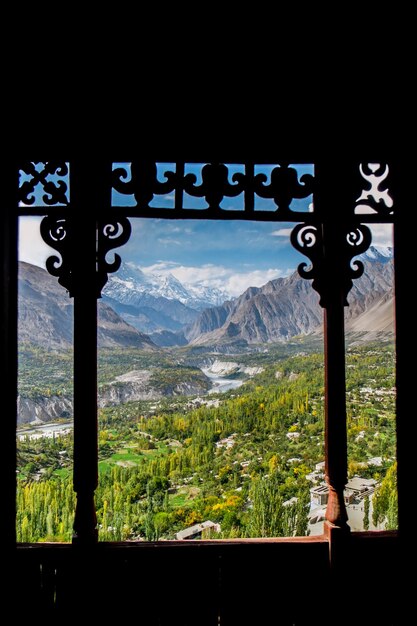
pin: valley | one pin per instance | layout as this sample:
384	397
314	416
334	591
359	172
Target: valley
170	462
210	408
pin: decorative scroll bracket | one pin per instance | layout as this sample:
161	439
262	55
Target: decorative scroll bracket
332	266
56	232
59	233
111	234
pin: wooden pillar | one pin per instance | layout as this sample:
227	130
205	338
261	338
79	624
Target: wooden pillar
335	438
87	184
335	411
85	403
334	203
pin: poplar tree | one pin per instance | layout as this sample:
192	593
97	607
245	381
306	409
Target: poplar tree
366	513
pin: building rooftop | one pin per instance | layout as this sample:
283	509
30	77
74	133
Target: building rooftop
196	529
360	484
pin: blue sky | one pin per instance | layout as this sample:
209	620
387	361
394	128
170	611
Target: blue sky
231	255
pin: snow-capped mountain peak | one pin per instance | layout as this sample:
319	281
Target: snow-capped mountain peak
204	293
131	283
381	254
169	287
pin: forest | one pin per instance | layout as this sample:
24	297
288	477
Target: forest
240	459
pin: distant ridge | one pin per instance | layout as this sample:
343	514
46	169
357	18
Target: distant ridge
45	315
280	309
286	307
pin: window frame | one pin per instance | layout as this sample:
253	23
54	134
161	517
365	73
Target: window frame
85	194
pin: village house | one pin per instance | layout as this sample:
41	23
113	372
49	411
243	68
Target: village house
356	490
317	475
319	495
376	461
198	531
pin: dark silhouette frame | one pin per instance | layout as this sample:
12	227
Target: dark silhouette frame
331	237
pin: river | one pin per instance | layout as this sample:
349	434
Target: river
44	430
220	383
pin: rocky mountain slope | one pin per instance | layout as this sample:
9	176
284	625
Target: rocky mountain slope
154	303
281	309
130	284
287	307
45	314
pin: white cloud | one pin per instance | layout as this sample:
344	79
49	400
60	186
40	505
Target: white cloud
209	275
282	232
168	241
237	283
382	234
32	248
172	227
162	267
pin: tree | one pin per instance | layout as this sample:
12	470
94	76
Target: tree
25	531
267	514
302	510
366	513
385	501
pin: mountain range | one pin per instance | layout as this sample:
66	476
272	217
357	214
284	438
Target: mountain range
286	307
145	311
45	314
160	304
131	285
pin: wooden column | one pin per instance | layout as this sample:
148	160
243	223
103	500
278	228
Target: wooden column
334	203
87	182
85	394
333	300
335	411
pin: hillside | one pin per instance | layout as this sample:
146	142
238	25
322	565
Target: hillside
279	310
45	316
286	307
245	460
